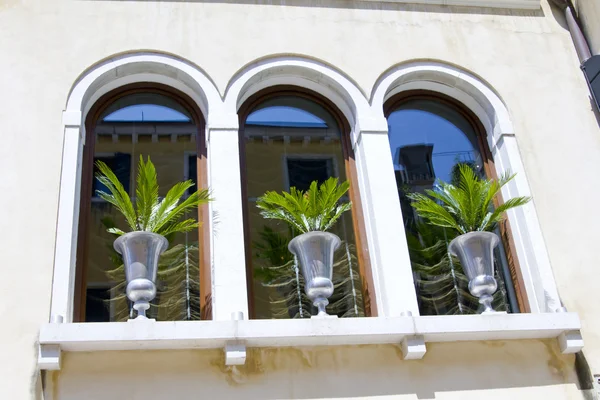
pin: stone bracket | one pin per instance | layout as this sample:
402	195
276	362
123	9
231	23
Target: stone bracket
413	347
235	353
570	342
49	357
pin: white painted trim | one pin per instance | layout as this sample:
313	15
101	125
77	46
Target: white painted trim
414	332
507	4
487	105
98	80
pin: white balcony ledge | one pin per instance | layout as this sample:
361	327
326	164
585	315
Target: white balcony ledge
506	4
235	336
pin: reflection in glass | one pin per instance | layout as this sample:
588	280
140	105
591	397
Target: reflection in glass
290	142
152	125
428	140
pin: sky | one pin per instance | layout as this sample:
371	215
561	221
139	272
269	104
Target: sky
146	112
284	116
450	144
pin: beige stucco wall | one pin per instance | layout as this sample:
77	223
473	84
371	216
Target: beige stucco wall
527	57
499	370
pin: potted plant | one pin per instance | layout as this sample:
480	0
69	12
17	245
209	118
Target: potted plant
466	207
151	222
312	214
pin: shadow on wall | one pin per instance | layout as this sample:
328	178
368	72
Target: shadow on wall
361	5
468	370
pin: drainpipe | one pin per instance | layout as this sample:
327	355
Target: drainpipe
590	65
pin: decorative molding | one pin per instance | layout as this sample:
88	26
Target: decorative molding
236	335
508	4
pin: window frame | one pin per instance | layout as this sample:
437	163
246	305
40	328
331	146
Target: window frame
85	200
396	101
365	268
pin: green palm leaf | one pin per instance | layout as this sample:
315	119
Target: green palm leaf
150	214
118	196
466	205
146	192
317	209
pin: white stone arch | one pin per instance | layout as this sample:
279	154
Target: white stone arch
143	67
88	88
303	72
486	104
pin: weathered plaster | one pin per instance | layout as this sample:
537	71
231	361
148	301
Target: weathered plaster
498	370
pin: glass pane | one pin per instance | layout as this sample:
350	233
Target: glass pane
292	141
428	140
153	126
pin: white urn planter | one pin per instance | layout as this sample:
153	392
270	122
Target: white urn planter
315	251
141	251
475	250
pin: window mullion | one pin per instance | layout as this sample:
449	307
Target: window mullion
227	226
392	270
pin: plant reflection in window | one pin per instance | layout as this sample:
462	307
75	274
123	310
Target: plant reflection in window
277	268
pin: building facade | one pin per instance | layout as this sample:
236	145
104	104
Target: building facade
243	97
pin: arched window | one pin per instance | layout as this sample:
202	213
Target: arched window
289	138
429	136
151	121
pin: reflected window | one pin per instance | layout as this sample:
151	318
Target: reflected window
429	139
151	125
290	141
301	172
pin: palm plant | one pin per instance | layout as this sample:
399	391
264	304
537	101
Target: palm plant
151	213
466	206
279	271
440	282
317	209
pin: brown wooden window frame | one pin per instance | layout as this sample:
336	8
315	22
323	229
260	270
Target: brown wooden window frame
396	101
87	178
358	223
